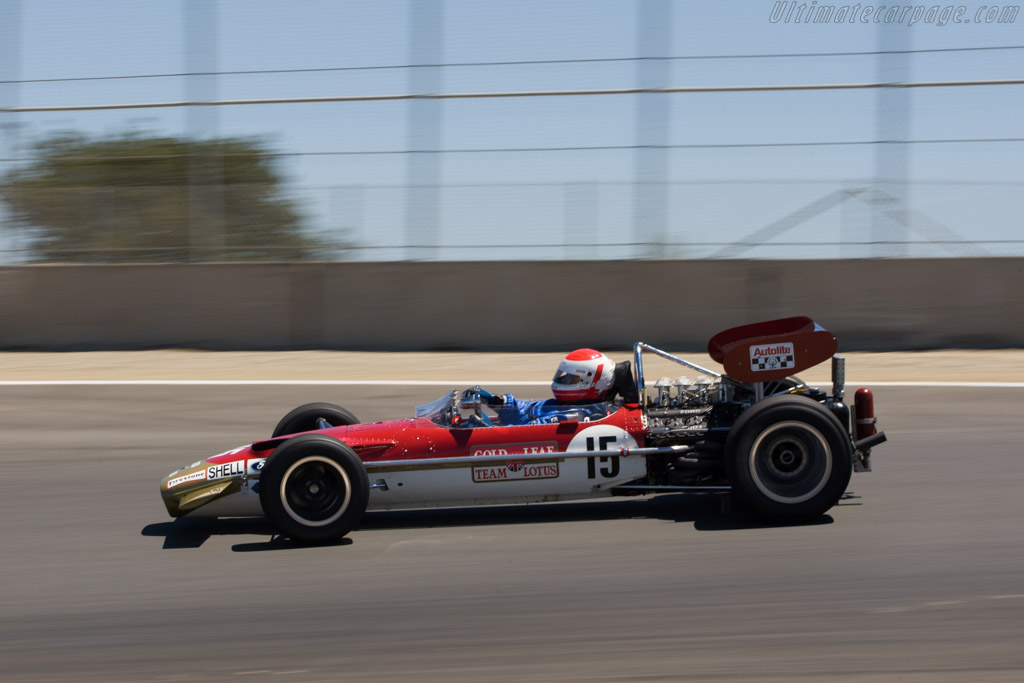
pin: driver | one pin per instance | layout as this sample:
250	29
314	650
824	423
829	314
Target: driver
583	380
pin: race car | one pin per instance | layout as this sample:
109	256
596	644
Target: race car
782	448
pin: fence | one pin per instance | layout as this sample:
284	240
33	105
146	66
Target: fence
895	151
530	221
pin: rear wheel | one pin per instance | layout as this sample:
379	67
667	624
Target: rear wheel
788	459
314	489
305	417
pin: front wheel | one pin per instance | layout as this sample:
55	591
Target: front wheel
314	489
788	459
305	417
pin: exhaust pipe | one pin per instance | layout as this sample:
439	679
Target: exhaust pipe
865	445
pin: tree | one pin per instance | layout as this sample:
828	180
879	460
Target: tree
134	198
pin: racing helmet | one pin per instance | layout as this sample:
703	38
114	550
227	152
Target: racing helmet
583	375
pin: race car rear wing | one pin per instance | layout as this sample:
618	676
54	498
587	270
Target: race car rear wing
761	352
772	350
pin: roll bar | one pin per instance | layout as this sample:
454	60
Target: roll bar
638	350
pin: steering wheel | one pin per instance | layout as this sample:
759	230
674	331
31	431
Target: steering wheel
471	400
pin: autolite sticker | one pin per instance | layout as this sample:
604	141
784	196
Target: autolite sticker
255	466
228	469
516	471
195	476
772	357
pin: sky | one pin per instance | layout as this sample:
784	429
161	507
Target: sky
572	203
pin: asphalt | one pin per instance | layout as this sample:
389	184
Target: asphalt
917	576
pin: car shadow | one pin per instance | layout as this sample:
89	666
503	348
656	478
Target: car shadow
282	543
192	533
705	511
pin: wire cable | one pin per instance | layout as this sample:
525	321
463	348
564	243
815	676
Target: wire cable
515	94
525	62
507	150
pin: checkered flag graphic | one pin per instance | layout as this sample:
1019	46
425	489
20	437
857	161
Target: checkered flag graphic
772	362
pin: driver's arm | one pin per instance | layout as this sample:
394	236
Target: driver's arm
490	399
485	396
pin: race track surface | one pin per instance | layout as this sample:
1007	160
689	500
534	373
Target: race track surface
919	576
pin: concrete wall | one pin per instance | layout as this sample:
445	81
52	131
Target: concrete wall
869	304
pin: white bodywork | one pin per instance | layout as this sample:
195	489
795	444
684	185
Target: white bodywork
536	478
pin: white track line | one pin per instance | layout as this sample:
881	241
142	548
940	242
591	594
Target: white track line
968	385
421	383
263	382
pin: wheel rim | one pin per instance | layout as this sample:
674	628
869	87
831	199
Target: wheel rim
790	462
315	491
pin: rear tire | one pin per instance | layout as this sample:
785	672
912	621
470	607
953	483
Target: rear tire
303	418
314	489
788	459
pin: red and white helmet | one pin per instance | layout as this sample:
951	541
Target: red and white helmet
583	375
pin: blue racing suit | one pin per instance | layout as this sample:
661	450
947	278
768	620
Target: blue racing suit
513	411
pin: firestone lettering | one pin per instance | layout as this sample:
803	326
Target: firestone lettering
195	476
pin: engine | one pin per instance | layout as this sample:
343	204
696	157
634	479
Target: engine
683	412
682	408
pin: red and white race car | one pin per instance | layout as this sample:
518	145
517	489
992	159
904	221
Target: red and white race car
784	449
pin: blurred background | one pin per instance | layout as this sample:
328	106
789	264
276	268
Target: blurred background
450	130
503	175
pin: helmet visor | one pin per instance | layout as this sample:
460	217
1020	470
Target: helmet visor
566	379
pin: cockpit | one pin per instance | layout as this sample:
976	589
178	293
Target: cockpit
467	410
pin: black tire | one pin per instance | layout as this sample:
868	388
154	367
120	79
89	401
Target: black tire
303	418
314	489
788	459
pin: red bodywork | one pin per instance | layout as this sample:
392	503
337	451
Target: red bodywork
417	438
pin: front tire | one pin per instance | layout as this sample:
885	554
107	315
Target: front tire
314	489
788	459
304	418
